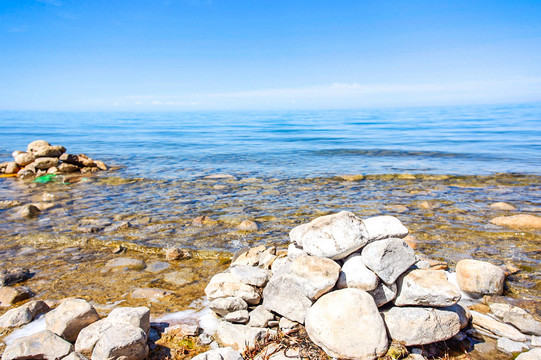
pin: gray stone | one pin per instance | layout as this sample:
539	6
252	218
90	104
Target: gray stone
284	296
238	317
347	325
426	288
421	326
29	211
225	353
157	266
260	317
23	314
388	258
354	274
486	323
479	278
384	227
510	346
227	285
239	337
332	236
121	341
315	275
70	317
45	162
384	293
13	276
223	306
517	317
534	354
42	345
463	313
250	275
127	263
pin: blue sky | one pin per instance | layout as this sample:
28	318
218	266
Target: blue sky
257	54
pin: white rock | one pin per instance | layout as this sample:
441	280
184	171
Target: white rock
223	306
383	227
122	340
136	316
240	336
23	314
354	274
250	275
517	317
463	314
75	356
420	326
90	335
42	345
227	285
332	236
284	296
486	323
388	258
260	317
510	346
426	288
383	293
315	275
535	341
479	277
294	251
346	324
534	354
225	353
238	317
70	317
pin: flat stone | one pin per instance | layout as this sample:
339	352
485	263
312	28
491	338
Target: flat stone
239	337
517	317
388	258
136	316
157	266
238	317
125	262
42	345
521	221
502	206
510	346
354	274
486	323
426	288
250	275
13	276
534	354
315	275
225	353
149	293
250	257
284	296
384	293
70	317
260	317
45	162
121	341
10	295
223	306
346	324
23	314
421	325
332	236
227	285
478	278
384	227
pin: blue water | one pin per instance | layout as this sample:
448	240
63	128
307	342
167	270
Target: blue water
462	140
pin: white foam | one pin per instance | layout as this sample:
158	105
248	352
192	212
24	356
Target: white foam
27	330
202	315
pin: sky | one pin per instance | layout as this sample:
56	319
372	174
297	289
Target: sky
169	55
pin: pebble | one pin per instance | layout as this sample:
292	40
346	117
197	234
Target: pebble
127	263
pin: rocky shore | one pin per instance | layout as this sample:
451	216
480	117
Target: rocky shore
41	158
346	287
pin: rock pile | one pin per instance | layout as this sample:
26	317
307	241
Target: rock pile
42	158
74	329
355	285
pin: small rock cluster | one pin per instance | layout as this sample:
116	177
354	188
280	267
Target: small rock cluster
356	285
42	158
74	331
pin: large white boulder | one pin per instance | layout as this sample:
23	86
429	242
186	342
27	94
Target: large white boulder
42	345
426	288
383	227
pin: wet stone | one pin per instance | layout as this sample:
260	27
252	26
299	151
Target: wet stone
157	266
10	295
125	262
13	276
180	277
29	211
149	293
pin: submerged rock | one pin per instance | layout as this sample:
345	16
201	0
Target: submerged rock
522	221
248	225
502	206
347	325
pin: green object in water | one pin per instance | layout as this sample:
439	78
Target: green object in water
43	179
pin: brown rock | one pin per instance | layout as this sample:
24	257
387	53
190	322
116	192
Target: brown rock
49	151
11	168
201	220
177	254
10	295
35	145
502	206
248	225
100	165
522	221
29	211
24	159
44	163
68	168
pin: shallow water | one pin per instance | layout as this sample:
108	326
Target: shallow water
436	169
